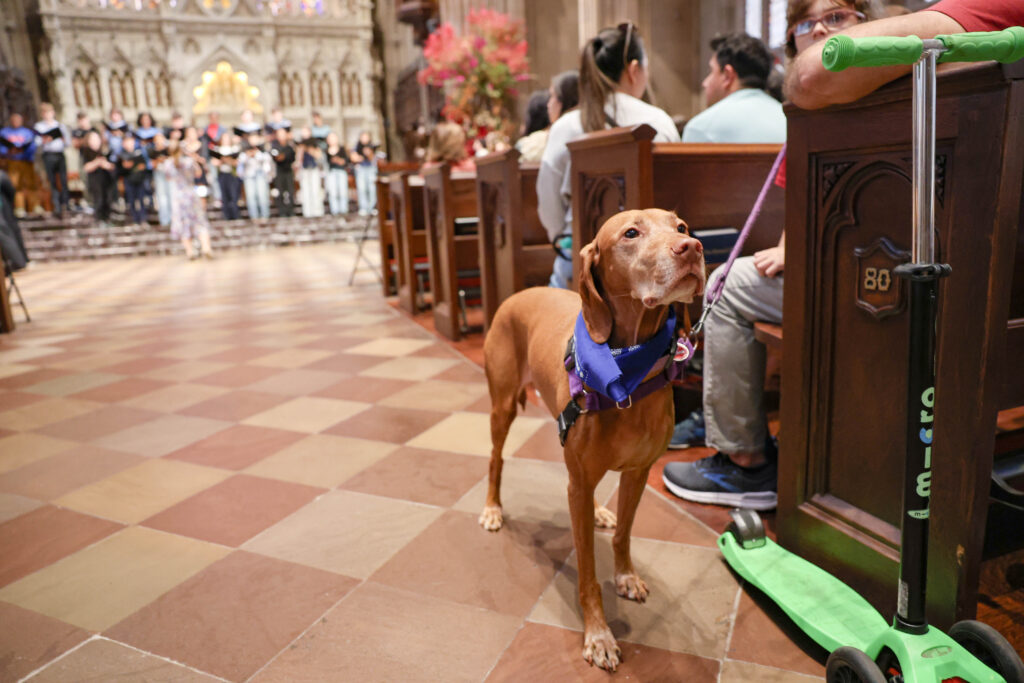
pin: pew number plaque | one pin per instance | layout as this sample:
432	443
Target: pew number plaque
879	291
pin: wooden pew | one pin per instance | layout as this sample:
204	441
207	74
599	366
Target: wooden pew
405	197
450	251
843	410
386	221
708	185
515	252
6	314
386	232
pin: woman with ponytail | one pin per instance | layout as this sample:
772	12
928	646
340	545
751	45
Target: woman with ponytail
613	78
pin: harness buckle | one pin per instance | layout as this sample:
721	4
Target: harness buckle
582	395
628	405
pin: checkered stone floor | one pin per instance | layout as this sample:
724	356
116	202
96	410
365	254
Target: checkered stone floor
245	470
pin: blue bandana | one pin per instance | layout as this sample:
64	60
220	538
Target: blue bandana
617	373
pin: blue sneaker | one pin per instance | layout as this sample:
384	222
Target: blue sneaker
689	432
716	479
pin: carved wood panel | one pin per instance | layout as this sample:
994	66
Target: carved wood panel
603	197
843	400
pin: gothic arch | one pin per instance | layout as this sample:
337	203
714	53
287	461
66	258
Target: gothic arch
321	93
193	80
122	89
86	86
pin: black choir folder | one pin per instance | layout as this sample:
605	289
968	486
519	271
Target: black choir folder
17	144
53	132
717	243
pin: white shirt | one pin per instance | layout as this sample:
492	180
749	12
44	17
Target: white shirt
745	116
554	183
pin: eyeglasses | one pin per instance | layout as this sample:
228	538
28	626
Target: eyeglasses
628	28
832	21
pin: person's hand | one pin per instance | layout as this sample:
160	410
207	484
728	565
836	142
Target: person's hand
770	262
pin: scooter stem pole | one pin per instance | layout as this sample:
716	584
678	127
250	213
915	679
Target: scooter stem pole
923	250
922	276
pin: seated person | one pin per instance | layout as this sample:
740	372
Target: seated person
535	127
744	472
740	473
613	78
448	144
810	86
559	99
738	108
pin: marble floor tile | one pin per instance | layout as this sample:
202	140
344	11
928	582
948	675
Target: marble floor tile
97	587
379	633
322	460
470	433
139	492
307	414
101	660
689	608
234	510
345	532
232	617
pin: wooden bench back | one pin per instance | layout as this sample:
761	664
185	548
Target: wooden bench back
709	186
514	249
386	231
446	199
405	197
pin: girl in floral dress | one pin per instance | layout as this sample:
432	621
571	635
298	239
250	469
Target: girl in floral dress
188	219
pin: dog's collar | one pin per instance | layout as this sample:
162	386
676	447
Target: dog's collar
674	358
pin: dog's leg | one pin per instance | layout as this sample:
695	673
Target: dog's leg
599	646
627	583
503	411
603	517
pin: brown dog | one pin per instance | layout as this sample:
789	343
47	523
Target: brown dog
639	264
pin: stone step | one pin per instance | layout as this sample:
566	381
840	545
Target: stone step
49	240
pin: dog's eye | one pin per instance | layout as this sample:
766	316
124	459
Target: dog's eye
631	233
683	229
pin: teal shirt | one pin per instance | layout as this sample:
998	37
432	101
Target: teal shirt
746	116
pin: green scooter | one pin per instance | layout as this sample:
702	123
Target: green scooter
863	646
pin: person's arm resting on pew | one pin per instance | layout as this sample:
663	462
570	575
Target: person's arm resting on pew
810	86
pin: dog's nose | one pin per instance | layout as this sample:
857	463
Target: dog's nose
688	246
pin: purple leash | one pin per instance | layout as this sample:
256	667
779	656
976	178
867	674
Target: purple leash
712	297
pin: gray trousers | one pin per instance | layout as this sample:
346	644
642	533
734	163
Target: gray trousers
734	362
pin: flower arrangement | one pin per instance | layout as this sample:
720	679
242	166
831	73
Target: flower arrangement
479	71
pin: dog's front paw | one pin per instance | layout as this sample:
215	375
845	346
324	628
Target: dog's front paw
632	587
604	518
600	649
490	518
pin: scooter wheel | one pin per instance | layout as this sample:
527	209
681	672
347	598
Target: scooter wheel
850	665
990	647
746	527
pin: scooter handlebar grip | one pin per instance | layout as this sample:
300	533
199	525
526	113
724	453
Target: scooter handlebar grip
1002	46
842	52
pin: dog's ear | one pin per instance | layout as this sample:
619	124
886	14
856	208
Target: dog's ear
596	314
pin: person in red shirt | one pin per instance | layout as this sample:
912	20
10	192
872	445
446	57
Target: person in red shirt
810	86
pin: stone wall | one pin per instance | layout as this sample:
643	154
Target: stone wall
155	59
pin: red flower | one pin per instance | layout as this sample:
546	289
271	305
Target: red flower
480	70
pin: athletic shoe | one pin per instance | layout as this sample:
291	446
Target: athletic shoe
689	432
716	479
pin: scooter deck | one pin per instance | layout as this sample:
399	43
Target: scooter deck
825	608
